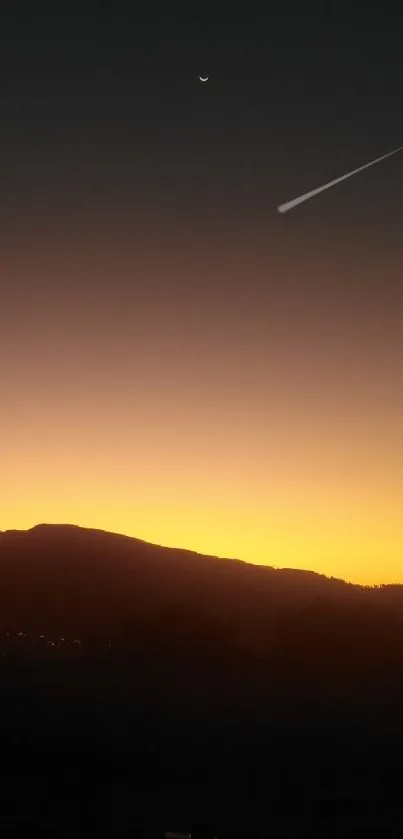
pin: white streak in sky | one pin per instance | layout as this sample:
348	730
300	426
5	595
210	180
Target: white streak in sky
283	208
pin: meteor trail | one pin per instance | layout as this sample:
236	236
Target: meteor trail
283	208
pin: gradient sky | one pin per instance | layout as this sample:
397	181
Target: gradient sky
178	362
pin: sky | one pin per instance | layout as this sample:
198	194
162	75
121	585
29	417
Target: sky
178	361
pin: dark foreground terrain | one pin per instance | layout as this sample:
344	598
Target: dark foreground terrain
144	689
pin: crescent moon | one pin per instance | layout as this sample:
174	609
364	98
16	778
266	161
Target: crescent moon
203	78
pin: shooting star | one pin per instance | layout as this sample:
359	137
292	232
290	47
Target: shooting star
283	208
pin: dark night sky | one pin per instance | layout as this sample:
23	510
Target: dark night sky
174	354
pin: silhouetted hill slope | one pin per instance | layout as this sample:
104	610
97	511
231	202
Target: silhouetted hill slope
66	579
185	613
209	672
63	572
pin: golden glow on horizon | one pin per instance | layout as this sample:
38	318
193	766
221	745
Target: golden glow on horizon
311	494
295	544
335	531
221	425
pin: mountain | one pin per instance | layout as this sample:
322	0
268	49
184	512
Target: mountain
63	575
173	620
214	680
63	580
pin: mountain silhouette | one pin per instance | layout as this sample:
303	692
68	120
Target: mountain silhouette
64	577
118	656
67	580
64	573
176	623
